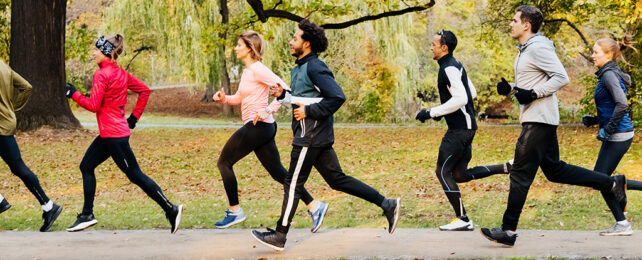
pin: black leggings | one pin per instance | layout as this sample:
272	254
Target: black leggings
10	153
118	149
260	139
455	152
607	160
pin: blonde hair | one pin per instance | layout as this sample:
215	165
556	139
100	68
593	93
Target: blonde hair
615	48
255	42
119	45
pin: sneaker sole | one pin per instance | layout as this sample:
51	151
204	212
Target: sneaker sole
267	244
231	223
55	216
627	233
494	240
315	229
178	218
5	208
397	211
466	228
83	226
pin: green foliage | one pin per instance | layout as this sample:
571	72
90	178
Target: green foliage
78	64
5	29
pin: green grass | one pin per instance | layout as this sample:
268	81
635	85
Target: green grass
398	161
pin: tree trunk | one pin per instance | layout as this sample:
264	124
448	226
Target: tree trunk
38	55
225	77
209	92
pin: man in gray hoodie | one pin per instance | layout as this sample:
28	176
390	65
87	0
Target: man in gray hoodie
538	75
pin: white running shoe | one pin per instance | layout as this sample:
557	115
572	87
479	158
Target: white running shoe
618	230
458	225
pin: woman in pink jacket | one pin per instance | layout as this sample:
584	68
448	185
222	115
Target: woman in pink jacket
258	131
107	100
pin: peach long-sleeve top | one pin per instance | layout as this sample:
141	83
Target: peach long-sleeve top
254	92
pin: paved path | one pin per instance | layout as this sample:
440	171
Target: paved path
356	243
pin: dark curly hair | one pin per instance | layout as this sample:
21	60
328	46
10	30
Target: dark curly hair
315	35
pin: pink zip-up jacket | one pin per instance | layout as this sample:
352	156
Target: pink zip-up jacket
254	91
109	96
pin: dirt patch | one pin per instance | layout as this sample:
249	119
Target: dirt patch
179	102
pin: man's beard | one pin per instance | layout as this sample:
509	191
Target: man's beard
297	52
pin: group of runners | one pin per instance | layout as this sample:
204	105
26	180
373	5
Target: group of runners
315	96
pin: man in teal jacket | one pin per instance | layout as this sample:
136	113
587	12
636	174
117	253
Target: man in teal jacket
315	96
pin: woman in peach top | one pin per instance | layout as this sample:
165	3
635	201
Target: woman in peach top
258	131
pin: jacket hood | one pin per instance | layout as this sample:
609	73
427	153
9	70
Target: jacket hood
612	66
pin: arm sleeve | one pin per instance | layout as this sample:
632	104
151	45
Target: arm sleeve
143	91
457	91
546	60
233	99
268	78
96	98
612	83
473	91
23	91
331	92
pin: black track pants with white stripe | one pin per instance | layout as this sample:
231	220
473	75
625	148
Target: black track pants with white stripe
120	151
325	160
455	152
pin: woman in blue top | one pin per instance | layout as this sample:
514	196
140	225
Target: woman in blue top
615	124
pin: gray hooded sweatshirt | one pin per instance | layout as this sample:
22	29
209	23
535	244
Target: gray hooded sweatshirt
537	67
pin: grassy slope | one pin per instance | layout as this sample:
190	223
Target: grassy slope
396	161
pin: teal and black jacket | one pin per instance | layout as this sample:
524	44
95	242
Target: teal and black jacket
313	85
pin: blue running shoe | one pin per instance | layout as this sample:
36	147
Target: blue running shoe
231	218
317	216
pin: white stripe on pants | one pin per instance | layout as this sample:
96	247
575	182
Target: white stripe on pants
293	184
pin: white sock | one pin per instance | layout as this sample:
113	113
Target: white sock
623	222
47	206
315	206
1	198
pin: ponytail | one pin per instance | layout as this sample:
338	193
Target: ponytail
615	48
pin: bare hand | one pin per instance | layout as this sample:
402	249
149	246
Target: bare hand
299	112
276	90
261	114
219	96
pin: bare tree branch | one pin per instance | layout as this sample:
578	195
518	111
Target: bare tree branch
378	16
586	43
263	15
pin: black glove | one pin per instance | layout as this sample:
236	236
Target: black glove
423	115
588	120
503	87
70	90
132	120
525	97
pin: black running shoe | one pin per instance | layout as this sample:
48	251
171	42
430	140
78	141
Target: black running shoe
4	205
271	238
391	209
50	217
174	217
619	190
82	222
499	236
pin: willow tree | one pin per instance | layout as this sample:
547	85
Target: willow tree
38	54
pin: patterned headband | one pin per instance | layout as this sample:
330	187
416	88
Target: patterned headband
105	46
